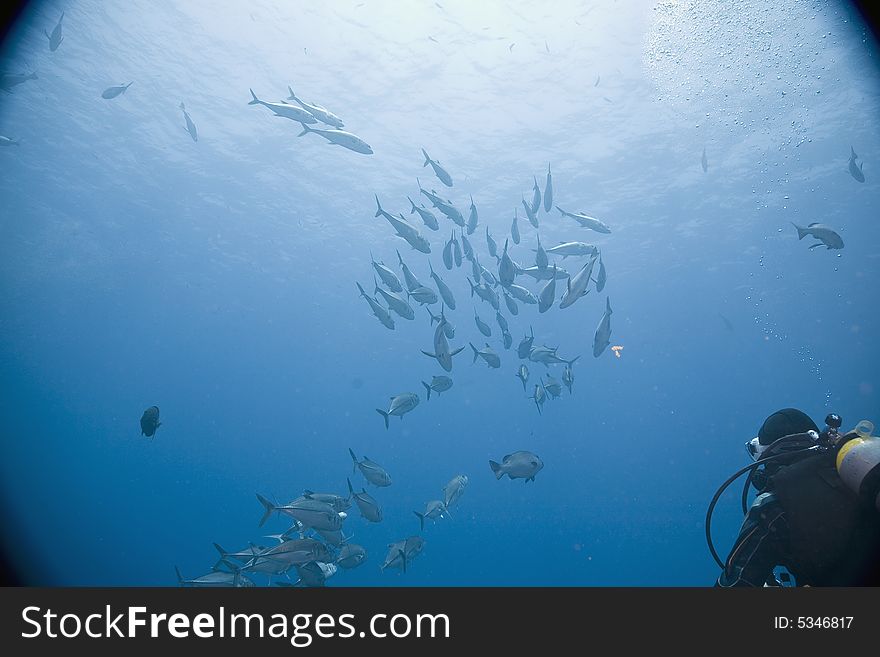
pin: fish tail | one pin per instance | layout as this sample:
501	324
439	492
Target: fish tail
428	388
853	152
179	576
476	353
572	361
219	549
292	95
384	416
354	459
378	205
496	468
427	159
350	489
473	287
402	558
270	508
304	131
421	517
802	232
411	203
255	101
363	294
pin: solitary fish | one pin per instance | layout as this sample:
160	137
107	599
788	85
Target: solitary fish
568	377
826	236
351	556
433	510
427	216
704	162
112	92
603	332
284	110
190	126
523	375
548	191
514	228
525	345
453	491
445	292
586	221
387	275
536	197
519	465
321	113
601	277
339	138
381	313
366	504
472	218
56	37
484	328
372	471
493	247
487	354
400	405
855	170
150	421
438	384
547	295
441	173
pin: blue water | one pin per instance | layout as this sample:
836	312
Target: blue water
216	279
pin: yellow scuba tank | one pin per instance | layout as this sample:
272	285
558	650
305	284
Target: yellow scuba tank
858	463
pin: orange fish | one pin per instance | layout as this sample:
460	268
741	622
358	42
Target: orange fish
617	349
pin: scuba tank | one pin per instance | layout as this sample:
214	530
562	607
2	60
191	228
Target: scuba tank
858	463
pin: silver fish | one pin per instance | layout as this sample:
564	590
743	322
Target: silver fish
438	384
486	293
351	556
400	405
339	138
112	92
525	345
372	471
548	294
338	502
541	260
489	277
440	172
552	386
519	465
566	249
285	110
456	251
56	37
487	354
427	216
493	247
536	198
601	277
856	170
506	268
603	332
586	221
215	578
447	255
190	126
568	377
401	553
484	328
396	303
381	314
441	348
577	285
472	218
445	292
539	397
313	574
467	249
453	491
311	513
433	510
826	236
523	375
545	274
520	293
448	328
512	308
507	339
532	217
548	356
366	504
321	113
424	295
502	322
548	191
387	275
514	228
446	207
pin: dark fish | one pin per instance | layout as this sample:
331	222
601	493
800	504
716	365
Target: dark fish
854	169
150	421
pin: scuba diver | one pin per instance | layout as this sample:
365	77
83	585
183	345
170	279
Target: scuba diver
817	510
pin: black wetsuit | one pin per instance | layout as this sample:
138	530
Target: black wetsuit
808	521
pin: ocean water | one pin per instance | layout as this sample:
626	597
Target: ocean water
216	278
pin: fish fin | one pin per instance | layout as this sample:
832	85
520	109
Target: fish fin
403	558
219	549
815	223
270	508
305	130
496	468
255	101
572	361
853	153
350	489
292	95
802	232
817	244
427	159
354	459
476	353
179	576
421	517
384	416
455	352
428	354
428	388
378	207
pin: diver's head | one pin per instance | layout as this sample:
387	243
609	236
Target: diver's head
784	422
